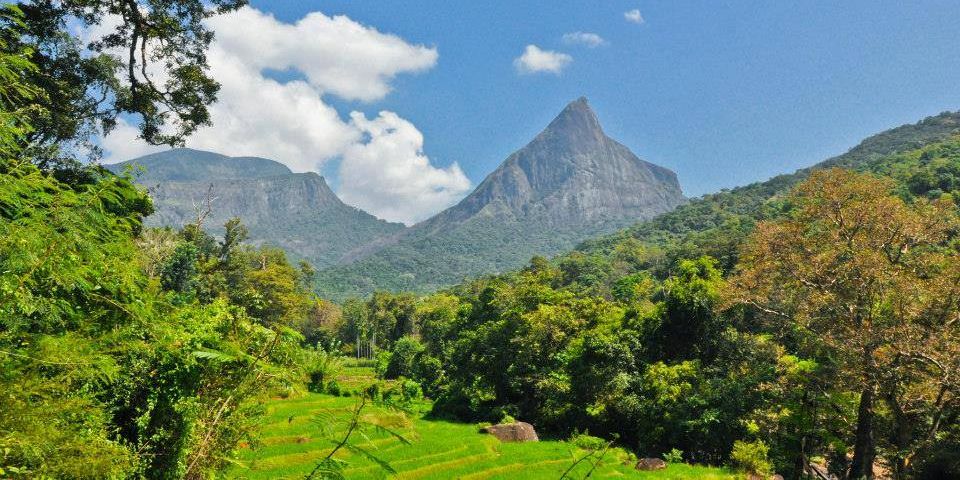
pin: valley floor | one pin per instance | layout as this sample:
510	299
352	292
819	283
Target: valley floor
292	443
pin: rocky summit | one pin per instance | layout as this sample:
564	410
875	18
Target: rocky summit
570	182
572	173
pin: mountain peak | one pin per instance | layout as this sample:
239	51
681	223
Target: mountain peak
571	174
576	125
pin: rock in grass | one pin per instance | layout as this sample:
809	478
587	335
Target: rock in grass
513	432
650	464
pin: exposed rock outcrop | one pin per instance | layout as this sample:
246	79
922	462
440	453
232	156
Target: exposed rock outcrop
513	432
647	464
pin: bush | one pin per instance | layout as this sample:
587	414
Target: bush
410	391
405	352
333	388
751	457
429	372
673	456
322	367
587	442
382	362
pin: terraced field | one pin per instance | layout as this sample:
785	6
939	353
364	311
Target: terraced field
292	443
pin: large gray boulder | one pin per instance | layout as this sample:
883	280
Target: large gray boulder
647	464
513	432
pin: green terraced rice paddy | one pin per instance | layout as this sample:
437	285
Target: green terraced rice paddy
292	444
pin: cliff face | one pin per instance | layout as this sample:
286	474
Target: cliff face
571	173
569	183
295	211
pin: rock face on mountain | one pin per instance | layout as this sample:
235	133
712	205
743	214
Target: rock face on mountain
295	211
570	174
569	183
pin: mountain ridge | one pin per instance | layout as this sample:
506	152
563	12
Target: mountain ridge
298	212
187	164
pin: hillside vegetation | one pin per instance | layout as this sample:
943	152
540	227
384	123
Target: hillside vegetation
704	224
752	335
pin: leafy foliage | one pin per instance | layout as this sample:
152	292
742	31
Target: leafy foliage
124	352
149	63
671	350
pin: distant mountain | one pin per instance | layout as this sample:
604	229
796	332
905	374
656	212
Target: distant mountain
569	183
295	211
188	165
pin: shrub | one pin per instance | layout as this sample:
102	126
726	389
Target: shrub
429	372
333	388
322	367
751	457
382	362
587	442
405	352
410	390
673	456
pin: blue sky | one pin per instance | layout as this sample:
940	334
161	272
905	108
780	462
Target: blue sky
724	93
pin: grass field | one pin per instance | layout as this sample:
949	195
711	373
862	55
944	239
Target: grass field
292	443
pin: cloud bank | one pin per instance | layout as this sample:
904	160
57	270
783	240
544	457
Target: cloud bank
383	169
405	186
536	60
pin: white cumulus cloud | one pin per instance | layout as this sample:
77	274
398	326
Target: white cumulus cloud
633	16
408	187
536	60
591	40
293	122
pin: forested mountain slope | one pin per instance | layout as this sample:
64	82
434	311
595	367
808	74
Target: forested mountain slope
714	223
570	182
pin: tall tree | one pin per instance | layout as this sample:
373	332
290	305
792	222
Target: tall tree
142	59
869	282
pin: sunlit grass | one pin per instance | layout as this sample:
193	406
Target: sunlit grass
292	443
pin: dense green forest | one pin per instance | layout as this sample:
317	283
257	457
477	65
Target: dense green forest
768	327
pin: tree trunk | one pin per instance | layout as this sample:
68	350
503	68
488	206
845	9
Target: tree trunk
864	448
902	434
